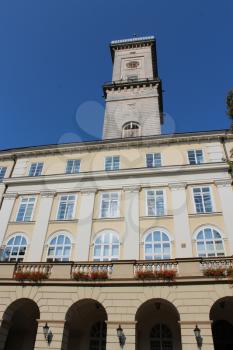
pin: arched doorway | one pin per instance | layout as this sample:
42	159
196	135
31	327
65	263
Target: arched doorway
221	314
19	325
157	326
85	326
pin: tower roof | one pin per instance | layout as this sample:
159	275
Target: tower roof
132	42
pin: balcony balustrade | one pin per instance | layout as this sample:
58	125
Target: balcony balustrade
122	271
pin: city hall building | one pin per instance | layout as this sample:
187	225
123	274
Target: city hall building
123	243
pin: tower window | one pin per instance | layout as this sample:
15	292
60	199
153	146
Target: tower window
131	129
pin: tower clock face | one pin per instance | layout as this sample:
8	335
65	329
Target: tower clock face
132	64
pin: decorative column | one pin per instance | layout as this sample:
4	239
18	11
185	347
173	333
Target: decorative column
182	235
226	197
85	224
129	330
5	213
59	339
188	339
132	235
40	230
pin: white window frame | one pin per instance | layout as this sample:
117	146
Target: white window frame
162	230
74	208
195	150
14	235
102	256
161	160
211	197
37	164
33	209
112	162
118	205
202	228
54	235
73	160
164	201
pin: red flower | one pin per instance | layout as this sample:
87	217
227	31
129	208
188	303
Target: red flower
145	275
81	276
166	274
99	275
30	276
216	273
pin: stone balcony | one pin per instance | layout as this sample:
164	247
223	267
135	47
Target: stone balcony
173	271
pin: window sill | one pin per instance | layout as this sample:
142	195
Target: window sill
213	213
22	222
149	217
119	218
62	221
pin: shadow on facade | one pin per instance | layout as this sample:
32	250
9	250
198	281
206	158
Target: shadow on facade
85	327
19	325
221	314
157	326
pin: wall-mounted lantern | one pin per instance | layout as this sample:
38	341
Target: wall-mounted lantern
198	336
47	333
121	336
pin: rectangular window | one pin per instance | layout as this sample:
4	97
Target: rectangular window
112	163
195	156
153	160
73	166
26	209
109	205
155	203
35	169
66	207
2	172
202	199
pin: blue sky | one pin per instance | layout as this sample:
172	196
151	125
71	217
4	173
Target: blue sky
54	57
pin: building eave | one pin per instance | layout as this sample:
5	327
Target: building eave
143	141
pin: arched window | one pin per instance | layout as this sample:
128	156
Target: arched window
209	243
161	338
59	248
131	129
106	247
98	336
157	245
15	248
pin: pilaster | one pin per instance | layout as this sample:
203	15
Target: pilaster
182	234
226	197
39	233
132	234
85	223
5	213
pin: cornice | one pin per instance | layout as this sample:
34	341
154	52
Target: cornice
10	195
124	173
223	182
116	143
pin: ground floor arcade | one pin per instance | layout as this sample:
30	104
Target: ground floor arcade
160	317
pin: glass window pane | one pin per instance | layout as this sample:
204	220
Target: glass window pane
148	249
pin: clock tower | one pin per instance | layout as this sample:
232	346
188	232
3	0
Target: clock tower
133	98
